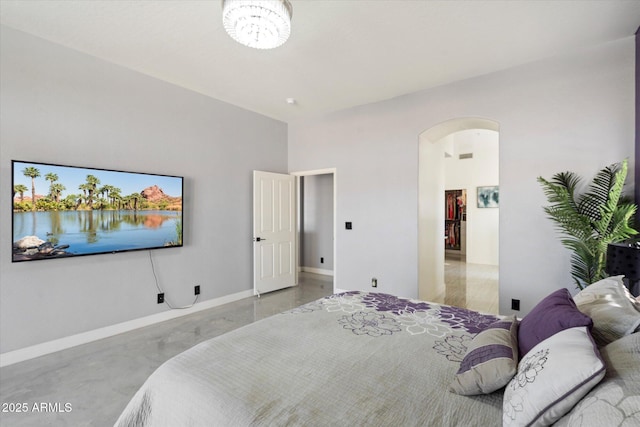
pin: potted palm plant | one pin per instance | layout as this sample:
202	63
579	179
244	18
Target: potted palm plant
590	220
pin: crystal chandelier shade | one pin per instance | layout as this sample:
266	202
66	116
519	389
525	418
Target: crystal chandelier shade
261	24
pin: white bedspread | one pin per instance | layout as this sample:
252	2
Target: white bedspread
345	360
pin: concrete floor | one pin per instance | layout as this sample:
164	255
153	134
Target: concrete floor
472	286
98	379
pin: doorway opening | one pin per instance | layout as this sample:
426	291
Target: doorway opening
459	159
316	230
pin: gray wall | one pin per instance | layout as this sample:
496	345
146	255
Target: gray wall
316	237
573	112
61	106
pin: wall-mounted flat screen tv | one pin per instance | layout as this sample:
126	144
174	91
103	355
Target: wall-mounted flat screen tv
66	211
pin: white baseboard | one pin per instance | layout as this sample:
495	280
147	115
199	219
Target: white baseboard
16	356
322	271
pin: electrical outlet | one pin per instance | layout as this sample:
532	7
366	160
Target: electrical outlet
196	289
348	225
515	304
160	298
321	260
374	282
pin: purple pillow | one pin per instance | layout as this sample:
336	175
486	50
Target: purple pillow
553	314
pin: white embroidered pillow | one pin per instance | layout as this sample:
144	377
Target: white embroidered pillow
552	378
615	312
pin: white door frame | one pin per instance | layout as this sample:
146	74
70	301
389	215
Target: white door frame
334	172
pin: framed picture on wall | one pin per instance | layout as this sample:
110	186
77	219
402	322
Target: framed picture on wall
488	197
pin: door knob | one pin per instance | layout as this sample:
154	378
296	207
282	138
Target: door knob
258	239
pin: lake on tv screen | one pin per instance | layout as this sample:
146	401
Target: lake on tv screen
88	232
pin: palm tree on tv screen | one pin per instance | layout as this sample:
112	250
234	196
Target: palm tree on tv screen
52	177
20	189
134	198
92	185
56	191
33	173
116	198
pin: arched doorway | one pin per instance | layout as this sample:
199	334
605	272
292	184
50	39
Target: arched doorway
431	203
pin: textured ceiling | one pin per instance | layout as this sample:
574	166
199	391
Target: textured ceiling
341	53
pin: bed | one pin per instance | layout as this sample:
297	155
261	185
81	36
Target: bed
360	358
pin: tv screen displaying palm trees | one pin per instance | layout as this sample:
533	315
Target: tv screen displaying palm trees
64	211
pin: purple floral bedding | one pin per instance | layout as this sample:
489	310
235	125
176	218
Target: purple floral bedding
378	314
348	359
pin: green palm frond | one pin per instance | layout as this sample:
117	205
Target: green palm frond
583	266
588	222
604	191
561	189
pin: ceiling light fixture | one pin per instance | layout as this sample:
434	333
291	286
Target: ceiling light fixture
261	24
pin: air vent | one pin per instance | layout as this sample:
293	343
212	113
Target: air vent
466	156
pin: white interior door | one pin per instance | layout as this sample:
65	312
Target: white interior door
274	232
